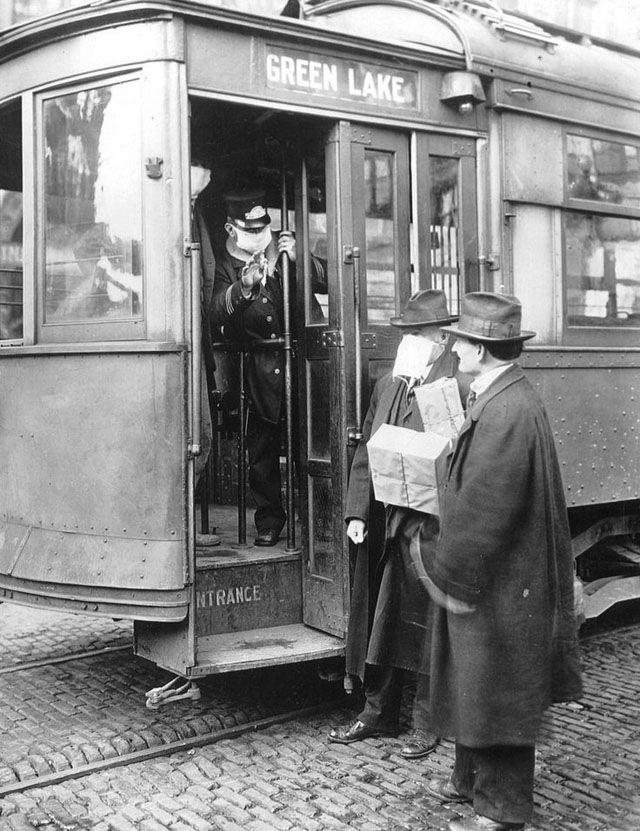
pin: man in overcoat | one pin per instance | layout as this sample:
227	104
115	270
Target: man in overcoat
390	609
504	643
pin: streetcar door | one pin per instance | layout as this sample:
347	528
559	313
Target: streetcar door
386	233
359	214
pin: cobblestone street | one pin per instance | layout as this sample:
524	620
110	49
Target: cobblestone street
62	717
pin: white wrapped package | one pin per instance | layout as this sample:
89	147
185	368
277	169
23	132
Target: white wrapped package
440	407
403	467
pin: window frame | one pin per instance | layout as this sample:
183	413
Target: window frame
7	103
592	334
90	330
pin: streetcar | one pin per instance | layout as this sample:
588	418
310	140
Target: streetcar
409	144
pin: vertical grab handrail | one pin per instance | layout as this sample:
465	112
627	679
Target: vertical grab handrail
354	252
195	448
242	454
288	370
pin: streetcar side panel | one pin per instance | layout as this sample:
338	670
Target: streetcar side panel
92	483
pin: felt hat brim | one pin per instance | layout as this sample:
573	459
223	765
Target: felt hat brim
456	329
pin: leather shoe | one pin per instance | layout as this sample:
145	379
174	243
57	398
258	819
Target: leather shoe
480	823
267	538
444	791
419	744
355	732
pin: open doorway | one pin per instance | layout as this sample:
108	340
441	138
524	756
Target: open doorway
238	150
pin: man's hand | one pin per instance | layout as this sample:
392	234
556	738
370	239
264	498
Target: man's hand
356	531
254	271
287	244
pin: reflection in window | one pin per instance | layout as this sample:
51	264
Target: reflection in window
93	205
444	225
604	171
318	385
322	543
318	297
379	236
602	256
10	223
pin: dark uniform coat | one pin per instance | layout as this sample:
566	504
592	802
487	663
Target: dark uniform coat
505	548
259	317
389	606
243	320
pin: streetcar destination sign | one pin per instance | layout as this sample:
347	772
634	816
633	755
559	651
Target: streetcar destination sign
341	79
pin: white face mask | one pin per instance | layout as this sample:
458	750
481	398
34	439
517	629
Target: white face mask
415	355
252	243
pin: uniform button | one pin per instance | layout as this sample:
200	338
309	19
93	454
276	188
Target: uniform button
265	300
273	335
269	318
277	371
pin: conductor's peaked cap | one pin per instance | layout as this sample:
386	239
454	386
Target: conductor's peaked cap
245	208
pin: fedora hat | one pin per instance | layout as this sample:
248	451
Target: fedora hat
493	318
425	308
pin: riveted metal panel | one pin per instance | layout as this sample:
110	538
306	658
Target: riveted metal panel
593	402
533	160
91	485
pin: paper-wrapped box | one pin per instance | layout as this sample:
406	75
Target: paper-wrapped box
403	467
440	407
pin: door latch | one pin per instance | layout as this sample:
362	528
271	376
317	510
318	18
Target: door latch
354	435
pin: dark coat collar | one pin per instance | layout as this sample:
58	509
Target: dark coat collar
509	376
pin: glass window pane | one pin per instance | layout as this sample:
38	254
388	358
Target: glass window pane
322	543
318	387
605	171
318	297
10	223
93	205
379	236
444	225
602	256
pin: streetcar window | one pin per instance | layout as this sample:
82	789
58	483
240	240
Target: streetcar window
602	247
379	236
93	205
443	226
10	223
317	311
604	171
602	262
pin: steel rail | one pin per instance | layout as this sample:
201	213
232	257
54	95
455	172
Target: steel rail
61	659
163	749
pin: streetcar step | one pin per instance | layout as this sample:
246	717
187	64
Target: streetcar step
263	647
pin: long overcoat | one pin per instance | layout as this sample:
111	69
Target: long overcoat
375	593
505	548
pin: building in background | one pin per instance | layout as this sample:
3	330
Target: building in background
17	11
614	20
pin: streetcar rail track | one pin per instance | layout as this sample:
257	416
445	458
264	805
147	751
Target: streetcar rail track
185	744
61	659
59	777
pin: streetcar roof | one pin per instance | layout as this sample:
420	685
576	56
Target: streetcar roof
473	34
